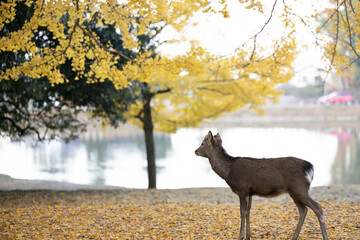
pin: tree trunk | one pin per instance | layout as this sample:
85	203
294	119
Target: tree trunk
149	139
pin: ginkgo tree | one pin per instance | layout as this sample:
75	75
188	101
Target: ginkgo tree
174	92
46	112
207	88
340	22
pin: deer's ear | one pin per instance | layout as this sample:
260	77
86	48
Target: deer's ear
218	138
210	138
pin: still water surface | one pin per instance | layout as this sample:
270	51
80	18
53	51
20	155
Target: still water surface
115	158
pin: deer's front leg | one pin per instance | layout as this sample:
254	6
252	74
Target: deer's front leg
244	202
248	232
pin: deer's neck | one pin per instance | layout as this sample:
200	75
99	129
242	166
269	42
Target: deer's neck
220	162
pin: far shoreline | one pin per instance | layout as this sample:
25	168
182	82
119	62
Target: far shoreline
339	193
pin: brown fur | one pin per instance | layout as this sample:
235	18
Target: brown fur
267	177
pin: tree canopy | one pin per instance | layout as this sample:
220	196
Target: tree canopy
33	106
341	22
196	86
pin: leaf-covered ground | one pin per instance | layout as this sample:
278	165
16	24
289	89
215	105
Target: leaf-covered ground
162	214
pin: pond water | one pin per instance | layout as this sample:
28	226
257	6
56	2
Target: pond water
117	157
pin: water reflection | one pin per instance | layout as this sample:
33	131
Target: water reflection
117	157
346	165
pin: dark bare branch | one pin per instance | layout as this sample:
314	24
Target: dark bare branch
332	15
262	29
337	32
162	91
215	90
23	131
349	30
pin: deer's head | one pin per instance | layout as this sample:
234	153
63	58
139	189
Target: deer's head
209	145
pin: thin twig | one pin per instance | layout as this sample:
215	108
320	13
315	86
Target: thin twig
113	51
214	90
262	29
349	30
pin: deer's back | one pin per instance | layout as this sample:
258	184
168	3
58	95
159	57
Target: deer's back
268	176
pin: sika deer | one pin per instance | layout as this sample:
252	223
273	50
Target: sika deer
268	177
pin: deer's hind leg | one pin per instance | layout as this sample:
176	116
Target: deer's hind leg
302	214
304	200
316	207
